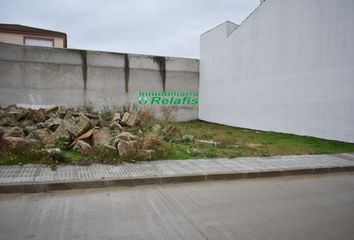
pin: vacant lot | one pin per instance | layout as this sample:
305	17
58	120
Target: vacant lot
238	142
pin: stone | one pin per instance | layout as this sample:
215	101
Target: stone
40	116
26	123
126	148
109	147
56	154
6	119
13	142
16	114
116	126
125	118
60	112
52	150
53	123
126	136
76	125
51	109
132	120
101	136
114	141
82	147
41	125
43	135
28	129
116	117
91	116
188	138
61	132
146	155
156	128
12	107
207	142
14	132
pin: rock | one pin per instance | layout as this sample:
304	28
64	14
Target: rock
56	154
101	136
114	141
60	112
126	136
13	142
10	108
40	116
41	125
146	155
91	116
53	123
26	123
6	119
76	125
51	109
188	138
116	117
14	132
156	128
28	129
116	126
43	135
109	147
126	148
3	143
52	150
82	147
207	142
61	132
16	114
133	119
125	118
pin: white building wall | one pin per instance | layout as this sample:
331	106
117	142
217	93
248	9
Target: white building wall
289	67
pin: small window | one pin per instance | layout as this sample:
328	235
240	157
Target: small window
41	42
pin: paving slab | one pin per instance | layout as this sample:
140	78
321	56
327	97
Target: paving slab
37	178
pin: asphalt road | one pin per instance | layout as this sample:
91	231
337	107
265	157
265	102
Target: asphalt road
308	207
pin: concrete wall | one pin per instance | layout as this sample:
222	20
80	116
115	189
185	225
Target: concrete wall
48	76
289	67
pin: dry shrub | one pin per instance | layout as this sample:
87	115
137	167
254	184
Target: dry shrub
168	114
147	118
152	142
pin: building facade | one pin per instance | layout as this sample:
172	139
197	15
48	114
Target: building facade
287	68
24	35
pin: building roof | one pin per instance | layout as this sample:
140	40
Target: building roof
16	28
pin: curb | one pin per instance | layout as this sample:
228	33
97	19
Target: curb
130	182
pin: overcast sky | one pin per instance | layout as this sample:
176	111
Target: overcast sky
156	27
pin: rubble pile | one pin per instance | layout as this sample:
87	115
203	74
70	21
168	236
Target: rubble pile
71	128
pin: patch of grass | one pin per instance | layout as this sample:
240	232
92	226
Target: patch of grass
106	116
245	142
73	156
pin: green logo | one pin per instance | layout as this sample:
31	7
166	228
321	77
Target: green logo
143	100
168	98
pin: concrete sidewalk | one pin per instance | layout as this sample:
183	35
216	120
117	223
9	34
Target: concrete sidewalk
36	178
